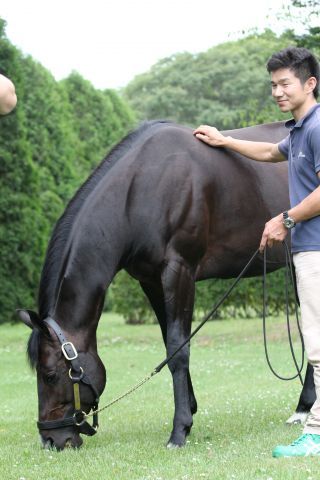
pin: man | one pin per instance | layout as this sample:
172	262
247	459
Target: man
8	98
295	83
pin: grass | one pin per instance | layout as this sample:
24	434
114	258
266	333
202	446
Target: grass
241	409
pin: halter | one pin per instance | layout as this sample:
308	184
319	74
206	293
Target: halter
77	375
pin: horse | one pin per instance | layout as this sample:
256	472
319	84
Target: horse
171	211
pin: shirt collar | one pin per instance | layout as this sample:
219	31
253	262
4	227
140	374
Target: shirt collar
293	124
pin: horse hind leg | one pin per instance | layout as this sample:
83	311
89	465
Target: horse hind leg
306	400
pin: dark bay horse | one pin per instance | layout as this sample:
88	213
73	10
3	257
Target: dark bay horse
171	211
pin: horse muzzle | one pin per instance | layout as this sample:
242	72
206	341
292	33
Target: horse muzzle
66	431
59	440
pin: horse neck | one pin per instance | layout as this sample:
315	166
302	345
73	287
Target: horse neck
89	270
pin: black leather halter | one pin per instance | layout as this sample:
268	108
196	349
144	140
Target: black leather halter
77	375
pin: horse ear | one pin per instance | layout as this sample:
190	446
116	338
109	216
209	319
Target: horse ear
30	318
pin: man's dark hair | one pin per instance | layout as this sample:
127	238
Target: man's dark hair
300	60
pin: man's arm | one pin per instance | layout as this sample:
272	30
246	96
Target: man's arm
308	208
8	98
259	151
275	231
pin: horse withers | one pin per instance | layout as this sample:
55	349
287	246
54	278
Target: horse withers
171	211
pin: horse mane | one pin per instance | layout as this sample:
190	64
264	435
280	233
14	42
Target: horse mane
56	251
33	348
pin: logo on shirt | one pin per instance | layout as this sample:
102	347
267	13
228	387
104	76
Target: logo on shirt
301	155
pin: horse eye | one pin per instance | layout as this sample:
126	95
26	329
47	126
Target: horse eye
50	378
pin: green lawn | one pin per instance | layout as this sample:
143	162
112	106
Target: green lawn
241	409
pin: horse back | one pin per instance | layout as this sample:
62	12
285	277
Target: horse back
206	204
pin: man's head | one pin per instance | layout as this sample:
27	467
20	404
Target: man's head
295	80
300	61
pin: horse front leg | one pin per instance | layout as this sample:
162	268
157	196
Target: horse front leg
154	293
178	288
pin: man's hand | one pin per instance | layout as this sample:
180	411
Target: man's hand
8	98
210	135
274	231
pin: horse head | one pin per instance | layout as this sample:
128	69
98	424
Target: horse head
70	378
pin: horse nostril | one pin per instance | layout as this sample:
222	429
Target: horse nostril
76	442
50	444
68	443
71	442
47	443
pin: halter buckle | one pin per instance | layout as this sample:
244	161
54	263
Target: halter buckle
76	379
69	355
76	420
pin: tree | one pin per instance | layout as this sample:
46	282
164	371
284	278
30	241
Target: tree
19	181
226	86
99	120
57	134
300	19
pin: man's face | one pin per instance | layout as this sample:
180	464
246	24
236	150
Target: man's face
288	90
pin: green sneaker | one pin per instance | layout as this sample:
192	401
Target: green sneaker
307	444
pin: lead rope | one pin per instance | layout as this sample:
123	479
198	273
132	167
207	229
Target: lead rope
289	269
211	313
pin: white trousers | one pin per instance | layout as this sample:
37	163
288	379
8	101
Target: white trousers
307	266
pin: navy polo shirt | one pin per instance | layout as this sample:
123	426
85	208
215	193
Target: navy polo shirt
302	148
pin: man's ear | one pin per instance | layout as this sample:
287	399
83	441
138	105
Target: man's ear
311	83
31	319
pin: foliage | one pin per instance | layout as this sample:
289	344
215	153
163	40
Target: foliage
99	120
126	298
57	134
245	301
226	86
313	4
310	40
301	15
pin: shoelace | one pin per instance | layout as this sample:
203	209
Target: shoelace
300	440
308	438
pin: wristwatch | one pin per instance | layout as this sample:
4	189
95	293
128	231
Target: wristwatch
288	222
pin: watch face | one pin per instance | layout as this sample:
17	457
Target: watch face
289	222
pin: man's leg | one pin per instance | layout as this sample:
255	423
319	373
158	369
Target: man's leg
308	283
307	265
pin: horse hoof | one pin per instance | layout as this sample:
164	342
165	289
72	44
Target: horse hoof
298	418
171	446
